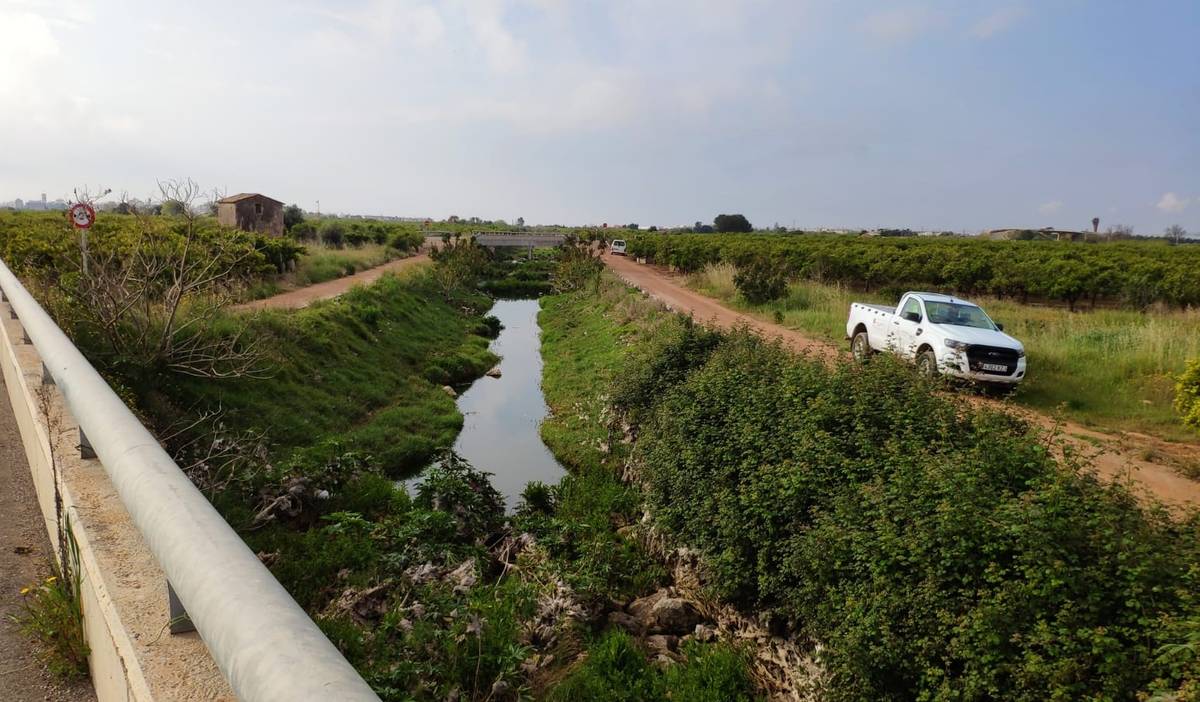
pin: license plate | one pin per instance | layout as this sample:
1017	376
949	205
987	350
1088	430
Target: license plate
994	367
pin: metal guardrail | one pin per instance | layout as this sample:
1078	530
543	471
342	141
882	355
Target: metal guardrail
263	642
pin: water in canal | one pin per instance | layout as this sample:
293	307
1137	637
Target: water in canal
501	415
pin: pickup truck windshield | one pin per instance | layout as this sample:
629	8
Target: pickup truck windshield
958	315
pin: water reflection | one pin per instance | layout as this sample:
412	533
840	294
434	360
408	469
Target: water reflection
501	415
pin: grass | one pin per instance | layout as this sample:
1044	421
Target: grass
616	669
588	340
321	263
585	343
584	347
1111	369
364	370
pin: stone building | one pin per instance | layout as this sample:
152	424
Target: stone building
251	212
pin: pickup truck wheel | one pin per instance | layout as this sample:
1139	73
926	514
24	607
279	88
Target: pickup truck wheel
927	363
860	347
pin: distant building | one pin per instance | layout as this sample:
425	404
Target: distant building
1043	234
251	212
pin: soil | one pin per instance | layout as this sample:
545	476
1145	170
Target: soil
303	297
24	560
1113	456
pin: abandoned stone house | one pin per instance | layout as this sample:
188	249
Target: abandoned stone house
251	212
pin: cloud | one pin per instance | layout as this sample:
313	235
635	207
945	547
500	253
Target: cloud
485	18
1050	208
899	24
999	21
1170	202
26	40
418	24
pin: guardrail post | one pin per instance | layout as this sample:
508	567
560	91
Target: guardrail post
180	622
85	447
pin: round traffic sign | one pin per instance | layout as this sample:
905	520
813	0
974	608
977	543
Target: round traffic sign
82	215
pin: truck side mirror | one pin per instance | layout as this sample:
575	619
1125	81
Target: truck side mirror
912	316
999	326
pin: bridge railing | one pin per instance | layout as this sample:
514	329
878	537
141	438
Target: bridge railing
264	644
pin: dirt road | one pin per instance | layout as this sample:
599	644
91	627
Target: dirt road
303	297
24	560
1114	456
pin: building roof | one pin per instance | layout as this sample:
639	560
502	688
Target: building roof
245	196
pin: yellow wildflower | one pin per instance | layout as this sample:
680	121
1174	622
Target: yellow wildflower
51	579
24	591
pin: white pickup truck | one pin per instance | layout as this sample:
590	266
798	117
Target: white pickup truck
942	334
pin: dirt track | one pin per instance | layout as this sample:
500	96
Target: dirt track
1114	456
303	297
24	560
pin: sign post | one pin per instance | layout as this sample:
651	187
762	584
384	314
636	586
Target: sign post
82	217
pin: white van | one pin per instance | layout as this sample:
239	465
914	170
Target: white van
617	247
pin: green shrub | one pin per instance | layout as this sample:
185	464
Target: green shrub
333	233
455	487
579	268
759	282
936	551
1187	394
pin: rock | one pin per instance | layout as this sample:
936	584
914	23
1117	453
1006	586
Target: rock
449	391
673	615
626	622
494	372
705	633
664	613
662	643
463	577
640	608
663	648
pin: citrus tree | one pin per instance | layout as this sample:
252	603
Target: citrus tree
1187	394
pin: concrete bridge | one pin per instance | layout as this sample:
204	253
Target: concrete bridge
175	606
522	240
492	240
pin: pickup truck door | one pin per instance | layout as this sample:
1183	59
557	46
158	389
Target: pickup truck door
905	327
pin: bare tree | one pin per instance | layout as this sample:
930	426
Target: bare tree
1119	231
211	454
1175	233
214	196
154	303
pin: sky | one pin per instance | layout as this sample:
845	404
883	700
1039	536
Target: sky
944	114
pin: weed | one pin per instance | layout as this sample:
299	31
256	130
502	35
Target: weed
616	670
53	616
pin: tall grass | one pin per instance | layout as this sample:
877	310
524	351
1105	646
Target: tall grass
322	263
1106	368
716	280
